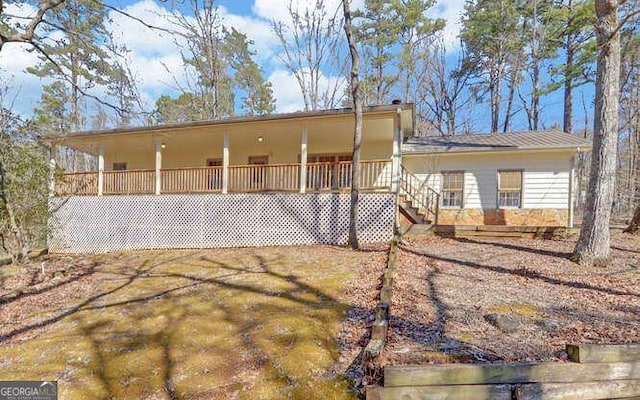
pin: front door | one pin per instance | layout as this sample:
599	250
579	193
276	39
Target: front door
258	173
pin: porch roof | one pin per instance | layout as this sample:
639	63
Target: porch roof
323	122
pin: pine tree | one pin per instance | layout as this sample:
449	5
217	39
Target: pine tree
255	92
490	38
79	58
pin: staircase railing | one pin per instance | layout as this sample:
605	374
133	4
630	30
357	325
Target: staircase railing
421	195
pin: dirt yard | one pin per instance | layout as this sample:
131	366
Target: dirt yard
493	300
270	323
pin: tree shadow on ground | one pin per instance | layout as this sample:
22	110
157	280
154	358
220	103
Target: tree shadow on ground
519	272
39	283
627	250
436	345
489	242
177	327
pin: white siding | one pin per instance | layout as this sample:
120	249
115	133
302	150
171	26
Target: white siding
545	176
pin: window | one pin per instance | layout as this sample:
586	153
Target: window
120	166
214	162
510	189
452	188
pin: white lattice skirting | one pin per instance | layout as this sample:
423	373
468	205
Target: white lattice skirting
113	223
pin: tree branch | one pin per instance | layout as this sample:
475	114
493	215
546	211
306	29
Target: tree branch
29	32
624	21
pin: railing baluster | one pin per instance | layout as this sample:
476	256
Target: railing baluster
320	177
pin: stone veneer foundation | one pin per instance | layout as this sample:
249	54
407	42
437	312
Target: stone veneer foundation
513	217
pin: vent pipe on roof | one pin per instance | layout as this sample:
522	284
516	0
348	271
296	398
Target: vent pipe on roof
396	102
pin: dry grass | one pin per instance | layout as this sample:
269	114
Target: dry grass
237	323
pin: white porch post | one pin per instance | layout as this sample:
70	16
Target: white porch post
52	170
395	158
100	169
225	164
158	165
303	161
571	187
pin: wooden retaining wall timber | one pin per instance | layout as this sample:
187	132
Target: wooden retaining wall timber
598	353
594	372
381	323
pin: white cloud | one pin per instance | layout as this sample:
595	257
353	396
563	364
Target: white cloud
451	11
24	10
287	91
258	30
155	58
140	39
14	59
278	9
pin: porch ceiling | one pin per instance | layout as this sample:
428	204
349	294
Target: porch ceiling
333	130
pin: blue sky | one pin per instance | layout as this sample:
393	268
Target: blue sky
156	61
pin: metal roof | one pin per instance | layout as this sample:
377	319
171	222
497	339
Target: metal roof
407	121
528	140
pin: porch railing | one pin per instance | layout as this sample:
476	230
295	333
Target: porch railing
191	180
267	177
421	195
77	183
140	181
374	175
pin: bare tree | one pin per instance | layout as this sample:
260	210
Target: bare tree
357	132
441	91
201	38
593	244
311	42
628	178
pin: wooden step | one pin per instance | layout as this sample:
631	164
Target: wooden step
411	214
494	234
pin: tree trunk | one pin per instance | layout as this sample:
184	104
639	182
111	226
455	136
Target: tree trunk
567	123
495	101
357	133
593	245
634	225
535	94
513	83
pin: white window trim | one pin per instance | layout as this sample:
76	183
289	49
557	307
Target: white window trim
461	206
498	206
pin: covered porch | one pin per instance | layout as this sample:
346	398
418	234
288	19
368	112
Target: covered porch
299	152
319	176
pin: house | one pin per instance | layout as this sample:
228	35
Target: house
247	181
523	178
285	179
